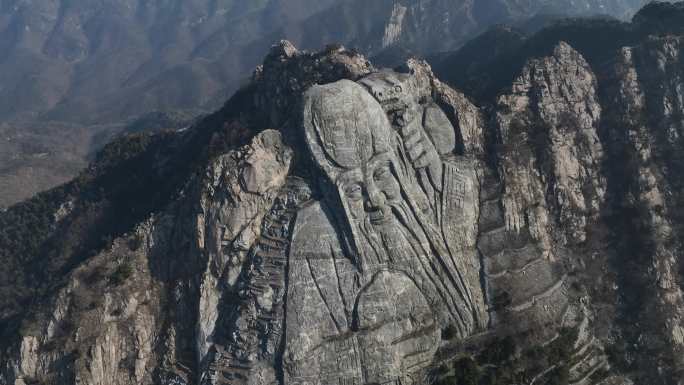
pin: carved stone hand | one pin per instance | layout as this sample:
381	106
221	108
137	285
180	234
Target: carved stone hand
421	151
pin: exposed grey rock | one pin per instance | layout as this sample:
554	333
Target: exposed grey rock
286	73
405	228
462	113
89	66
110	332
549	127
646	123
94	326
242	188
351	276
552	189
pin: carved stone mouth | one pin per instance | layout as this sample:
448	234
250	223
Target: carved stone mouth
390	101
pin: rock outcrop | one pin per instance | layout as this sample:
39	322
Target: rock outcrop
645	129
551	154
551	191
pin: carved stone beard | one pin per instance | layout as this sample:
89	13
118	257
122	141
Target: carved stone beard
401	244
391	243
345	128
410	241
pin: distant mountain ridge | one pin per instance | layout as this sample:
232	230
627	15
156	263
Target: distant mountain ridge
88	68
92	61
488	63
96	61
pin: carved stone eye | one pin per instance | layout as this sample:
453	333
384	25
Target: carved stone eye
397	89
382	172
354	192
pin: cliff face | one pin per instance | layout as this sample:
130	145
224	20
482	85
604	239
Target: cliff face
644	129
336	223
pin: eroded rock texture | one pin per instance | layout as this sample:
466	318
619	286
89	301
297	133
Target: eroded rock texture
349	225
550	191
396	205
645	127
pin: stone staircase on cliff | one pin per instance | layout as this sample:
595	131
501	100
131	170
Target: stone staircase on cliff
526	289
259	321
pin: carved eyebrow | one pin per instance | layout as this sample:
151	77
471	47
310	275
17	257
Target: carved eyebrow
354	175
379	158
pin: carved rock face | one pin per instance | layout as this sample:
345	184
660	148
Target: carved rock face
398	274
349	135
369	191
395	91
439	129
344	126
397	324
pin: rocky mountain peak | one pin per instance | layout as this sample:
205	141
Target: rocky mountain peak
286	72
553	109
356	236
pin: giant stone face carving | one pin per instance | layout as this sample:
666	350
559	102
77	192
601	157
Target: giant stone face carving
352	145
377	268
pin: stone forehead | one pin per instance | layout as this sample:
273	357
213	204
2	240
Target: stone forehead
344	124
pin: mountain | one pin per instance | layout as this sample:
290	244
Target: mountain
99	61
76	73
88	68
488	63
338	223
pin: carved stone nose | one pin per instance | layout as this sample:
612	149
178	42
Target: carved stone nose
376	199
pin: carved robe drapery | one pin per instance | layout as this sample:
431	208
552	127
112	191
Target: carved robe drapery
369	308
